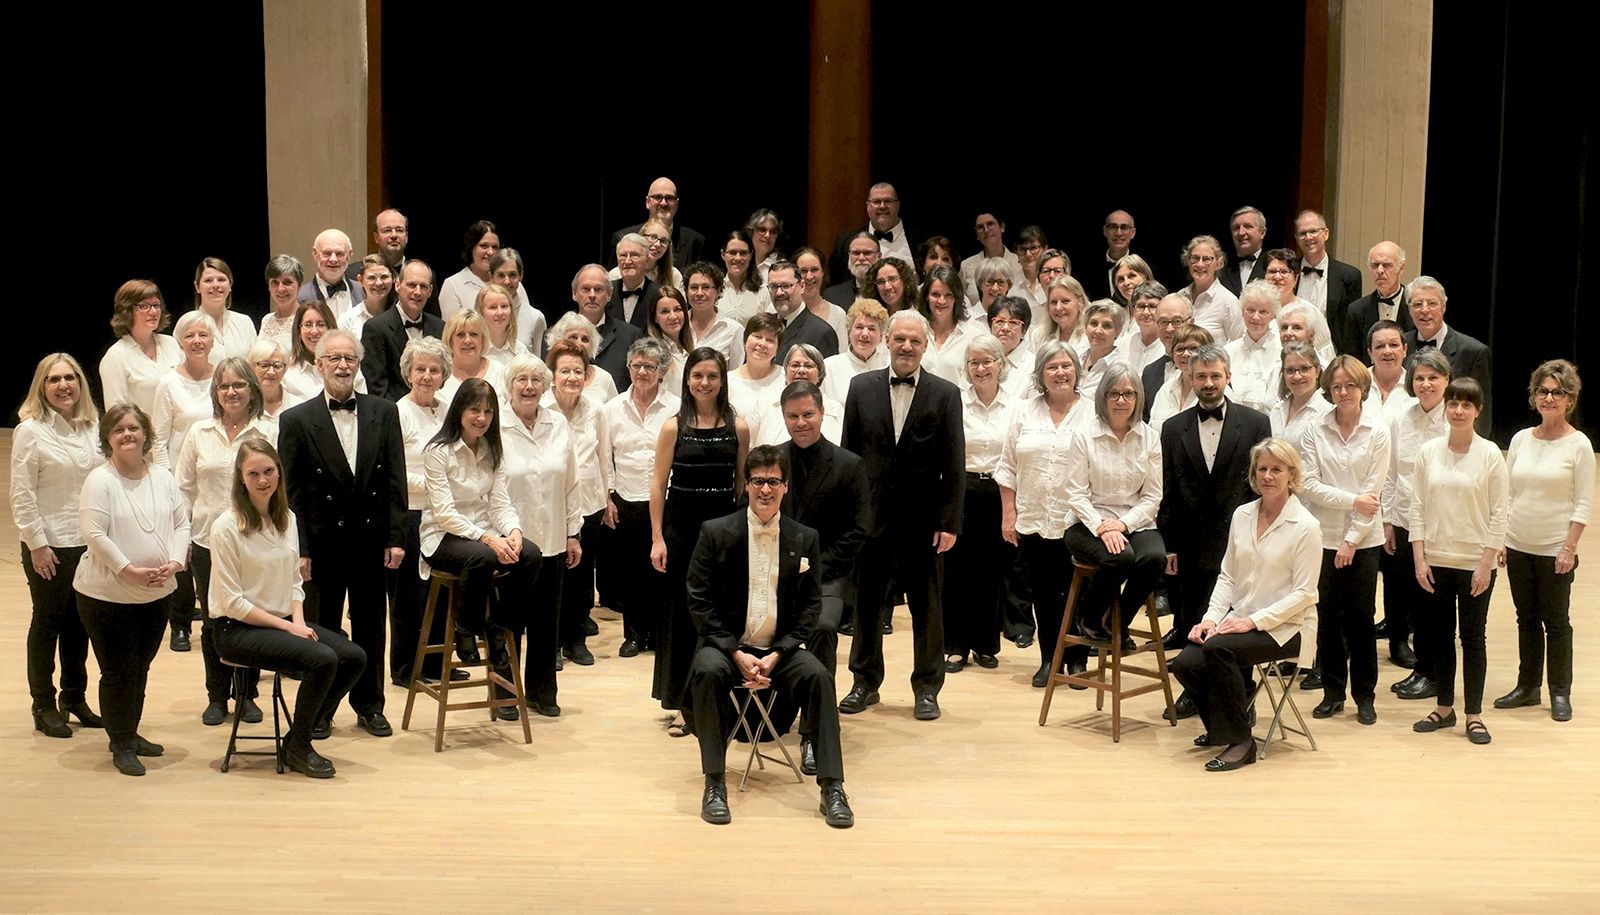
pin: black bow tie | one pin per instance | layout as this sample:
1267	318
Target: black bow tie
1247	257
1206	414
1307	271
1387	299
883	236
629	293
907	380
1427	344
408	325
337	405
337	287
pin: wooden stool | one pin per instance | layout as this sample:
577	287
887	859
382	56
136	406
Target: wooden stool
278	724
741	707
1268	674
1109	657
445	582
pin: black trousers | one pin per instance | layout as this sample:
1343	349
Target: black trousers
1212	673
55	625
180	606
407	592
1049	567
1405	603
1347	602
339	570
799	677
542	623
578	591
126	638
1131	574
974	582
824	644
1195	584
640	588
1543	600
908	557
1452	592
476	565
1016	611
327	667
219	678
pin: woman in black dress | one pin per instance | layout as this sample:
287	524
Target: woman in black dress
699	466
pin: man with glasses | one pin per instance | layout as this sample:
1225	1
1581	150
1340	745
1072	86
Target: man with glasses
800	325
990	231
1248	229
661	202
862	252
1172	312
1329	284
883	225
1387	301
1469	356
1119	231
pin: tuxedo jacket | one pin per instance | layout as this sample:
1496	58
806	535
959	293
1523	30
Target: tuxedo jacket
1153	377
1197	504
383	339
842	294
687	244
719	583
1469	358
1344	287
918	483
834	502
647	300
839	260
339	508
311	292
1363	313
808	328
1229	277
616	335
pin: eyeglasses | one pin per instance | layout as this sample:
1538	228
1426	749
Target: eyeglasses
1006	322
1051	271
663	198
1202	258
1030	249
883	203
765	482
643	367
1146	306
1310	233
1171	322
147	306
996	282
340	359
658	239
271	366
232	386
1551	393
781	287
1341	387
1119	226
1186	350
1298	370
1122	395
980	363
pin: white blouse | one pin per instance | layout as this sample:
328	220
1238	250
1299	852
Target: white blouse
741	305
842	366
1123	478
1217	310
948	360
1460	502
1552	488
127	375
726	336
1253	369
542	471
1138	354
180	403
1293	428
352	320
1385	411
418	426
986	427
1336	471
458	291
1271	579
501	355
233	338
50	458
630	456
494	373
749	395
1408	432
1037	462
1089	381
280	331
204	470
127	522
254	571
1170	401
590	439
466	495
600	387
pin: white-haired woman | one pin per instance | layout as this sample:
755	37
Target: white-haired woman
269	360
425	363
803	362
598	385
1253	358
864	350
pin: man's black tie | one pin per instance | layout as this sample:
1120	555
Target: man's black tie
1211	413
1307	271
883	236
1427	344
408	325
337	287
335	405
896	379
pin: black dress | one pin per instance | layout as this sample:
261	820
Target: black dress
699	489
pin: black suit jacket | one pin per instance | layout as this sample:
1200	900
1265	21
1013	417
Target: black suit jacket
1344	287
842	294
340	509
383	339
808	328
641	312
839	260
719	582
1196	504
311	292
1363	313
835	502
1229	278
1153	377
1469	358
920	482
687	244
616	335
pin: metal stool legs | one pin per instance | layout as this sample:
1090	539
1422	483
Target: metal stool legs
741	707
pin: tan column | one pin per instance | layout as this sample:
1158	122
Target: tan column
1384	54
840	119
316	75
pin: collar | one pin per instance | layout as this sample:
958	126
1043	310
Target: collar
1323	264
916	376
969	398
405	317
789	321
1438	338
328	399
459	447
756	527
1331	422
1223	406
1103	430
1246	257
625	291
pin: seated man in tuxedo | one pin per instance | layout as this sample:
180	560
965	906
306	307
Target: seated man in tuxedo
863	253
1248	230
1469	356
1329	284
800	325
1387	301
632	294
385	336
591	292
661	202
883	226
331	253
754	597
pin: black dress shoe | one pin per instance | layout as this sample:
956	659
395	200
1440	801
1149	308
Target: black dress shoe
83	713
1129	646
467	647
142	747
250	711
835	807
1024	640
1041	677
1174	640
1561	707
954	664
857	700
1435	723
215	714
1077	669
375	724
322	730
628	649
1327	708
1365	713
1420	688
308	762
986	661
1402	655
848	627
808	755
1312	679
1477	732
1163	606
1204	740
579	654
550	710
499	647
1184	707
714	804
590	627
1231	758
1381	630
561	661
126	762
48	722
179	642
926	708
1519	697
507	713
888	626
1403	682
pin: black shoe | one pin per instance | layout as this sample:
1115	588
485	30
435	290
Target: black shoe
1561	707
629	649
1041	677
546	711
1435	723
1231	759
1184	707
888	626
808	755
1312	679
1327	708
1174	640
1519	697
507	713
1404	682
590	627
1402	655
1420	688
835	807
954	664
714	804
848	627
308	762
1077	669
1128	645
857	700
579	654
142	747
215	714
251	711
926	708
48	722
499	647
1365	713
126	762
1381	631
1477	732
1163	606
986	661
375	724
322	730
1204	740
179	642
467	647
1024	640
561	661
83	713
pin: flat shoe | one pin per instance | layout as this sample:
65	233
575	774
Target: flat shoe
1365	713
1435	723
251	711
127	763
215	714
954	664
986	661
1024	640
1477	732
1219	764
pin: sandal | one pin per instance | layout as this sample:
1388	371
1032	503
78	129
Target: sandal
1478	732
678	729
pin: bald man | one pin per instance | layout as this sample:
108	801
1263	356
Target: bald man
1387	301
331	253
661	202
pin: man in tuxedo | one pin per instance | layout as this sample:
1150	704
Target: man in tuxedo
331	252
591	292
1249	231
661	202
632	294
385	336
885	228
800	325
828	493
1329	284
1119	231
1205	469
754	598
1469	357
905	424
345	467
990	232
862	253
1172	312
1387	301
391	232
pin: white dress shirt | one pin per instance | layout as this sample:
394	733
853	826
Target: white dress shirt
590	439
181	402
1384	411
748	395
1293	428
987	427
1552	488
127	522
1336	471
303	381
1460	502
50	458
127	375
337	302
345	428
542	474
1245	264
1211	435
1089	380
418	426
1122	479
493	372
352	320
1408	432
740	305
458	291
1171	399
233	338
1137	354
466	495
1217	310
768	427
531	324
260	570
204	470
1271	579
969	272
1037	463
948	360
1314	287
599	389
900	397
1253	369
841	367
631	458
897	246
726	336
761	606
501	355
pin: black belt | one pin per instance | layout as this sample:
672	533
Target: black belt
974	475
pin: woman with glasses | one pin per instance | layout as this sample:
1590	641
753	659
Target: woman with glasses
658	256
133	366
764	230
702	285
891	282
1178	394
1215	308
1142	345
1030	248
803	362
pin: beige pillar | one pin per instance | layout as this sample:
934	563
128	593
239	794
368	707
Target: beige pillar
316	75
1384	54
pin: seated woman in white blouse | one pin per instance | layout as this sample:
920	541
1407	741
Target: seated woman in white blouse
1263	607
804	362
302	380
132	366
256	602
1253	358
864	350
708	326
467	337
425	364
469	527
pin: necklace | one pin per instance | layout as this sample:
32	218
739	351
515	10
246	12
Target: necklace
146	519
